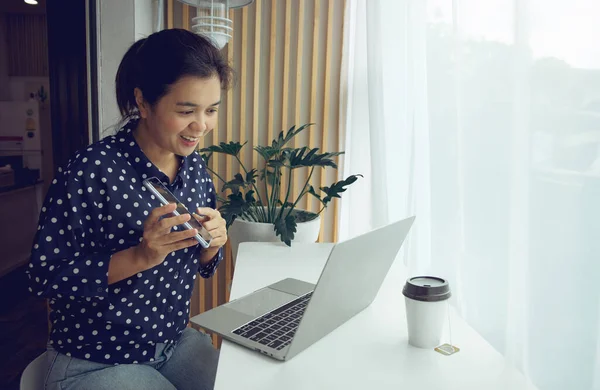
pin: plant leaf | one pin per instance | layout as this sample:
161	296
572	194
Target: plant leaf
305	157
231	148
238	181
337	188
280	203
251	176
234	184
235	206
311	190
283	139
249	197
267	152
285	228
276	163
304	216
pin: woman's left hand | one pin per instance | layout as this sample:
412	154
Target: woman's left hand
215	224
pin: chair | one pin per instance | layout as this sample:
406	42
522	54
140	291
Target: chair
34	375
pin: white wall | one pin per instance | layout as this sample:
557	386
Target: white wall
120	23
144	11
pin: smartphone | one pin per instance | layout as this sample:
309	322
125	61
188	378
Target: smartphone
165	197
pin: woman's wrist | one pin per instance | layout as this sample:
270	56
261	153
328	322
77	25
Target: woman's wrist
126	263
206	255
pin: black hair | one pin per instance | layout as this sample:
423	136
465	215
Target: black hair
154	63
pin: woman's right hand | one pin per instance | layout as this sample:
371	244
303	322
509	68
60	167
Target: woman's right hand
159	240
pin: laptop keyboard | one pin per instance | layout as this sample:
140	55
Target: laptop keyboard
276	328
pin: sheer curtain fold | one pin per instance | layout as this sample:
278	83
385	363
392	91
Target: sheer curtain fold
461	112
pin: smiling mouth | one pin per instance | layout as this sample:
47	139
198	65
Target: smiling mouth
189	139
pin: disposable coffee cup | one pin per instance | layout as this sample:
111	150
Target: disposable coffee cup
426	309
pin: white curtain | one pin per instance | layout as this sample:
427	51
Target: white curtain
482	118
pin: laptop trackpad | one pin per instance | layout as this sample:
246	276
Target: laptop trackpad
260	302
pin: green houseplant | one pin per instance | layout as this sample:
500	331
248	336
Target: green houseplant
254	194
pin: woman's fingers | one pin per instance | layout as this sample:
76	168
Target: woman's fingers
181	244
158	212
169	222
175	236
208	212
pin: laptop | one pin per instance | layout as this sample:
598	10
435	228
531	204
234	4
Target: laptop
291	315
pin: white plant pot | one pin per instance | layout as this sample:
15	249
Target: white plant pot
248	231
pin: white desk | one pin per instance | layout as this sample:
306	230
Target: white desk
368	352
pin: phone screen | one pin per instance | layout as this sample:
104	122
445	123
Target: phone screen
181	209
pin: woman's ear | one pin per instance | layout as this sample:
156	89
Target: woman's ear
141	103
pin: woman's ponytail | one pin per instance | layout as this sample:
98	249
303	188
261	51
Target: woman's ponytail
127	80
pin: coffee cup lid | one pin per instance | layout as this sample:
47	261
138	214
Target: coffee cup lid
427	289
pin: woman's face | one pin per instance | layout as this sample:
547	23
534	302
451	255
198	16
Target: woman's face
187	112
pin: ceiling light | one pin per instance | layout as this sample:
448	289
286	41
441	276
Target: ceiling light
32	2
212	18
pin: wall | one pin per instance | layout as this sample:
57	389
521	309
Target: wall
120	23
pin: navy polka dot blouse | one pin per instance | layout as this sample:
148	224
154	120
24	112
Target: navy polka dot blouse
96	206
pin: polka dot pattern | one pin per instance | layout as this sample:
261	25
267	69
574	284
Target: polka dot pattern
95	207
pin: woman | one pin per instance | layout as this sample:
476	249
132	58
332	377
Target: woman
117	268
